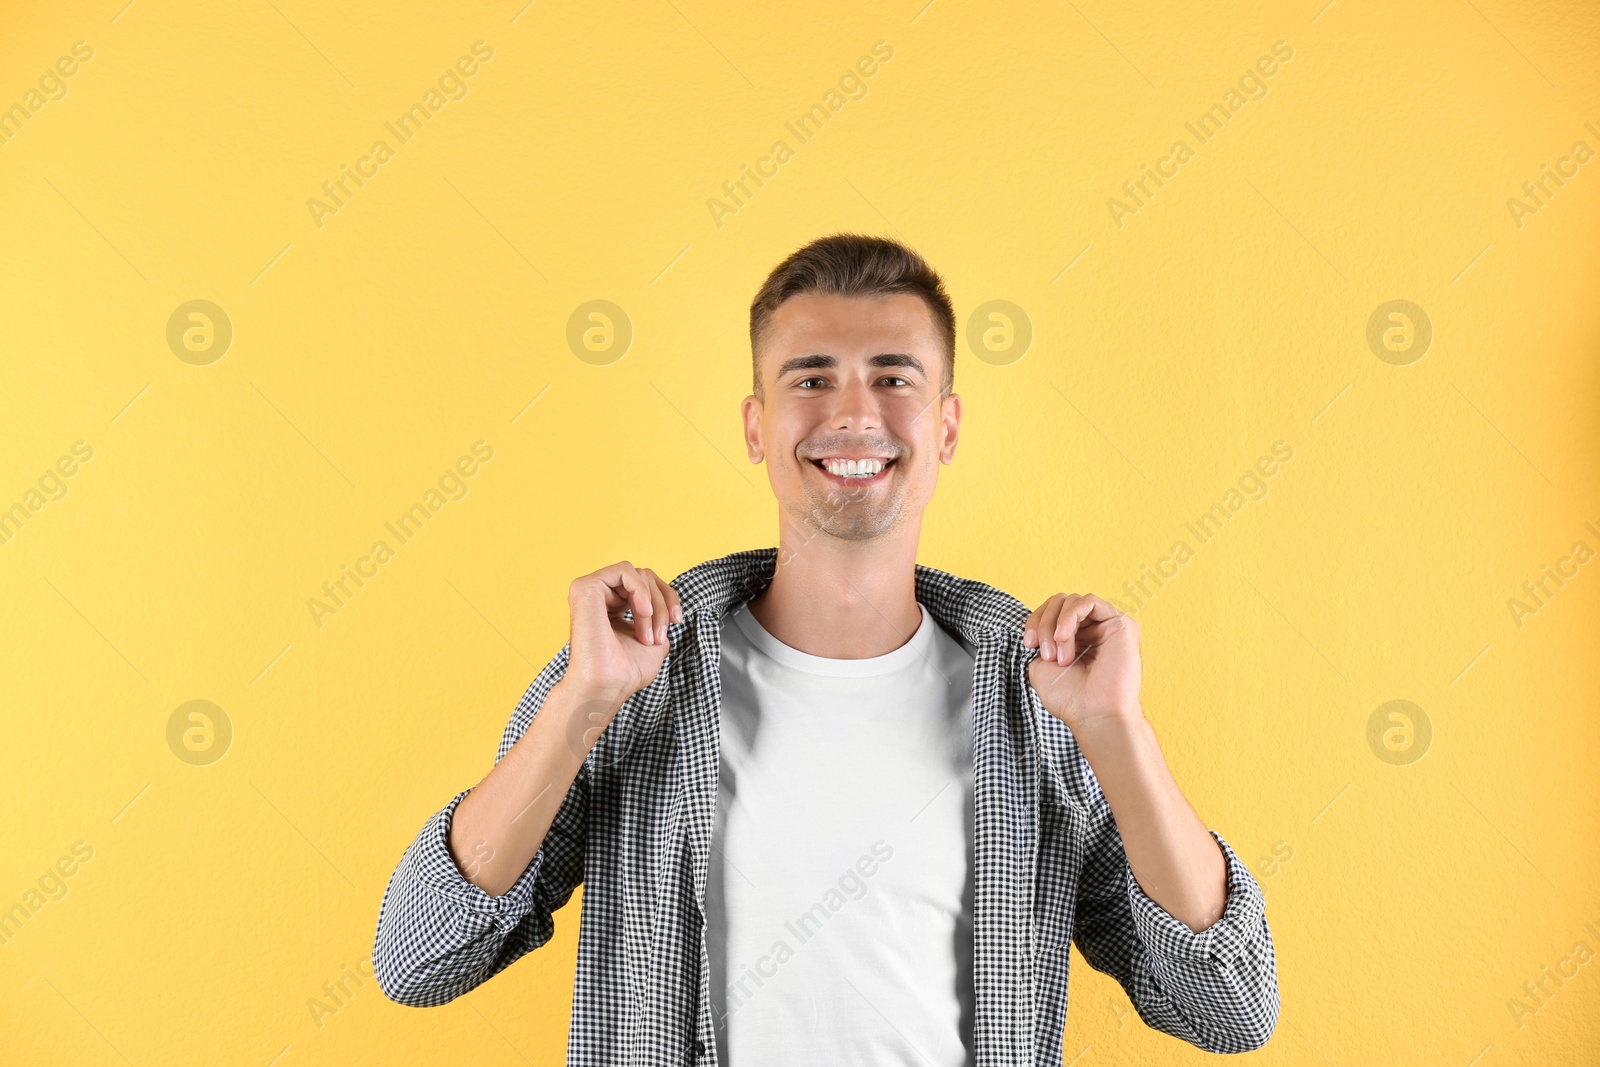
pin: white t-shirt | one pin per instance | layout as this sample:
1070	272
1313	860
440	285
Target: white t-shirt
839	904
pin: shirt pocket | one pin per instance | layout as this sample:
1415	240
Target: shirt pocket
1062	830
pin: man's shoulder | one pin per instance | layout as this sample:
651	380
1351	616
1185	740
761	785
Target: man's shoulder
721	581
970	602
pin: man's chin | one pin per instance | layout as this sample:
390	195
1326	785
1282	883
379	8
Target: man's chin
836	515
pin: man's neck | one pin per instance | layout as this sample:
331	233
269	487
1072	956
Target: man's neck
841	599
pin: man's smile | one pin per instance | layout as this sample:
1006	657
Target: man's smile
860	471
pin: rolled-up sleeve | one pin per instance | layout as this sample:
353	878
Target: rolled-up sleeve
1215	988
439	935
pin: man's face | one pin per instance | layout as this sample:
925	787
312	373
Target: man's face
852	379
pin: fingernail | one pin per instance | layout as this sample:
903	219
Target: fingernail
1027	636
661	634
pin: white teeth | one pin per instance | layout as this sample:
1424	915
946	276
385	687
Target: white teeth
854	468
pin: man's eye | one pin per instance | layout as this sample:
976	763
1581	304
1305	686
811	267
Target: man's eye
896	378
802	382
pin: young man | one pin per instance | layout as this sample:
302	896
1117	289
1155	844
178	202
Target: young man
828	805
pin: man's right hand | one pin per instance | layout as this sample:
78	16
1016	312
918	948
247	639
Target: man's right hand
612	658
499	826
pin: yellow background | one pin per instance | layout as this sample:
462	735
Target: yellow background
370	352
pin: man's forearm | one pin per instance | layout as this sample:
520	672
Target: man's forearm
498	827
1173	856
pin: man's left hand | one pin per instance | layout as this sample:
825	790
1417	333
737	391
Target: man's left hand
1087	671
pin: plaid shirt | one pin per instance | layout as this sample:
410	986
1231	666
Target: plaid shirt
635	829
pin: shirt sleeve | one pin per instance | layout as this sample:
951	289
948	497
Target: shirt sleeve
439	935
1215	988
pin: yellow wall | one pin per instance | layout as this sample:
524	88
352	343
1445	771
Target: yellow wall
1171	347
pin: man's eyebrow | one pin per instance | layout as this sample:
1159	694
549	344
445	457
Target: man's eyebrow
813	362
824	362
898	359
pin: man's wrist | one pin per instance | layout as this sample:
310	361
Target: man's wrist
583	711
579	693
1112	728
1123	748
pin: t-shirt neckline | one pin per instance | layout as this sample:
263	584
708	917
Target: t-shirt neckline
918	647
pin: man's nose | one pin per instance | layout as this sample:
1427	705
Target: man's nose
856	407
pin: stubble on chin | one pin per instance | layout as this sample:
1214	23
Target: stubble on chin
847	516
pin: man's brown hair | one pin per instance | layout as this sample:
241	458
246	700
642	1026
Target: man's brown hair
850	264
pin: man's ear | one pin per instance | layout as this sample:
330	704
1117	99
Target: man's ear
950	416
751	412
